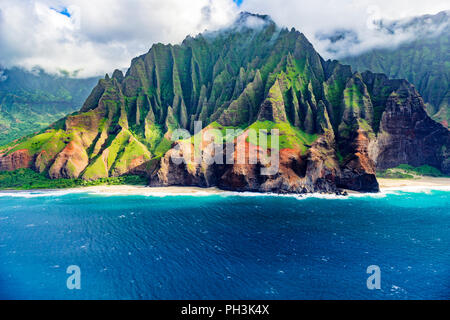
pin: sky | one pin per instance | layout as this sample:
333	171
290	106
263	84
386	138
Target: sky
90	38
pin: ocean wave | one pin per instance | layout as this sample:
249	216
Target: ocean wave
157	194
222	193
39	194
305	196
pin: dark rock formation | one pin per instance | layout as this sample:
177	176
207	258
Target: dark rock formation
408	135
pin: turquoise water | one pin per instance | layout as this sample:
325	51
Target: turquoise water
224	246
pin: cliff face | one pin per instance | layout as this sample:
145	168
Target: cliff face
335	126
408	135
315	171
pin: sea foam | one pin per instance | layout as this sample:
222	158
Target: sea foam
148	192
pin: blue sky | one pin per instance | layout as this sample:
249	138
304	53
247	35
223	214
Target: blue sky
65	11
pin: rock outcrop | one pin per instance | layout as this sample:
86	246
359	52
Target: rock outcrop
70	162
316	171
358	171
16	160
408	135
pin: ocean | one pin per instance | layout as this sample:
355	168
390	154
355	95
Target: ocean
224	246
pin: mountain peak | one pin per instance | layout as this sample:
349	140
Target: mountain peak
245	15
248	20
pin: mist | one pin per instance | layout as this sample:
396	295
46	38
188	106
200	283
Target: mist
360	25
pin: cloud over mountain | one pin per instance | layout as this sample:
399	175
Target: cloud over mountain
94	37
353	24
98	36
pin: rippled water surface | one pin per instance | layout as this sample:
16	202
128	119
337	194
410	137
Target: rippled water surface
224	246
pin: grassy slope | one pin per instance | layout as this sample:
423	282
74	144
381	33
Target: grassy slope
405	171
27	179
289	136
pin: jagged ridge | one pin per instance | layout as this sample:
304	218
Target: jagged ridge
330	119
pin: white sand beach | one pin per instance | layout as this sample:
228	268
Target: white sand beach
141	190
385	185
417	183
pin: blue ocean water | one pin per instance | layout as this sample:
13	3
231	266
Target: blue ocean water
224	246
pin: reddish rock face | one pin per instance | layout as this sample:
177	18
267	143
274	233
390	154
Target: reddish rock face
316	171
70	162
17	160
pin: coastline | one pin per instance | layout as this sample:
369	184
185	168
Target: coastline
386	185
150	191
122	190
413	184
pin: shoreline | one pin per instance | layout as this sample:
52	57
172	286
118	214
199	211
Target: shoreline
410	184
418	184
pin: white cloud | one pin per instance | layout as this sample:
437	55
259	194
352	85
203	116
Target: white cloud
101	35
324	16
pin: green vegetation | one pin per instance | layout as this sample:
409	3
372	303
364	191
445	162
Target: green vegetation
163	147
289	136
96	170
117	145
425	170
39	142
27	179
394	174
223	129
352	97
30	102
406	171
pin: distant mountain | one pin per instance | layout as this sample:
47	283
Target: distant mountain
336	126
30	101
424	61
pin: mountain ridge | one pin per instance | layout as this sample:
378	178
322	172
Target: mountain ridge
30	101
336	126
422	60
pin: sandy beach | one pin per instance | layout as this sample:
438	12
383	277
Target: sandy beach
385	185
420	182
141	190
417	184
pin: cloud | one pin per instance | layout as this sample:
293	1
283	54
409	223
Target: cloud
94	37
87	37
355	21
